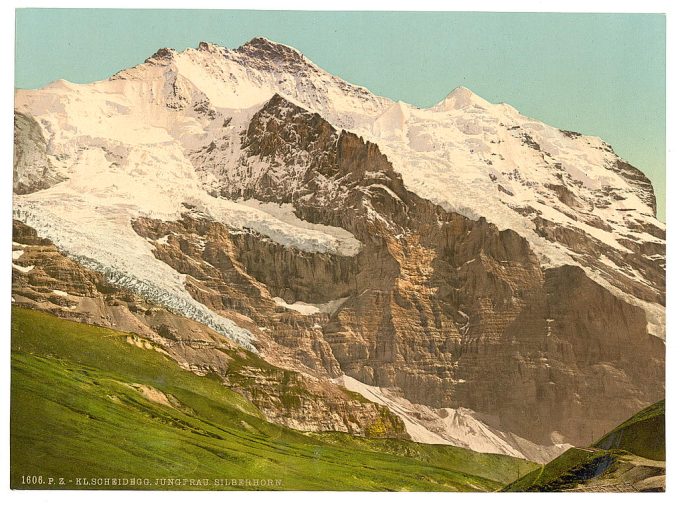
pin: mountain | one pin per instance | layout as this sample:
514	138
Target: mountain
632	457
494	281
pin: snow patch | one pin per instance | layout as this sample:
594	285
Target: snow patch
336	239
311	308
460	427
298	306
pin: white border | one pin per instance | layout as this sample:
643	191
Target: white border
104	499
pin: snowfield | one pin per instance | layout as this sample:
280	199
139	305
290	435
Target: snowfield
454	426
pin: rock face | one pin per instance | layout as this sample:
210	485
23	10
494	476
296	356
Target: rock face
33	170
451	311
466	258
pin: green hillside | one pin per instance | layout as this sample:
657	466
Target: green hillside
89	404
644	434
629	458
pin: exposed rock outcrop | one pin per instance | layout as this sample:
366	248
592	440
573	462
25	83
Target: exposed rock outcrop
33	169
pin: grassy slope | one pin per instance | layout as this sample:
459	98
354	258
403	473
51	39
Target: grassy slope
644	434
571	467
641	435
74	414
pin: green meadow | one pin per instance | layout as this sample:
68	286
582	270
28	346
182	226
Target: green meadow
642	435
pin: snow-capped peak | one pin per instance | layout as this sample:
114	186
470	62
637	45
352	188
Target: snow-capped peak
460	98
262	47
163	54
209	47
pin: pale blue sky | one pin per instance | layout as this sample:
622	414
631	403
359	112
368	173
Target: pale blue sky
600	74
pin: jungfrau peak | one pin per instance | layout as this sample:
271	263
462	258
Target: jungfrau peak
460	98
493	281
